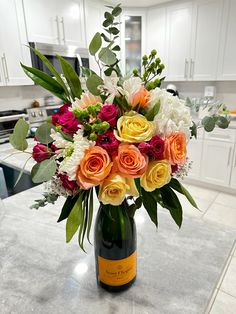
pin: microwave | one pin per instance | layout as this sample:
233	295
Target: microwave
77	57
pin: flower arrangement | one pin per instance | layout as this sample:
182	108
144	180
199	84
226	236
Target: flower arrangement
125	137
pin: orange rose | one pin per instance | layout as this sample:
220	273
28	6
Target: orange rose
94	167
141	97
175	148
130	162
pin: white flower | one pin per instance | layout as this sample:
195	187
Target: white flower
130	87
87	99
70	164
55	186
59	141
110	87
173	114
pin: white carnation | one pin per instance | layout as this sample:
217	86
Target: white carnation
58	139
173	115
70	164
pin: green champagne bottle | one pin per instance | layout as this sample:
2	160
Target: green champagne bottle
115	247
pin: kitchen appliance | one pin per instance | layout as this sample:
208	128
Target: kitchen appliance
77	57
8	119
38	115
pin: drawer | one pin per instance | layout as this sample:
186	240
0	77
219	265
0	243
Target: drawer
224	135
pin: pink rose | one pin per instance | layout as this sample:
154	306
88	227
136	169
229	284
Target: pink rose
65	119
145	148
108	113
66	183
40	152
108	142
157	147
174	168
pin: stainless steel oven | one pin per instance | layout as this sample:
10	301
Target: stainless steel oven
8	119
77	57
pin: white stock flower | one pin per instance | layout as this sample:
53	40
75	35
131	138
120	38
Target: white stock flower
87	99
173	114
70	164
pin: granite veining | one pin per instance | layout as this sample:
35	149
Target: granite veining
177	269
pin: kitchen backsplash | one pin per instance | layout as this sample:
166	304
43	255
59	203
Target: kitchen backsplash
20	97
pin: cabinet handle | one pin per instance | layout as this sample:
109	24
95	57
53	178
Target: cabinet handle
235	160
5	69
230	150
63	29
186	69
58	30
191	68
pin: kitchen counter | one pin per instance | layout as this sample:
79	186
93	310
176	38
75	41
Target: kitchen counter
177	269
15	159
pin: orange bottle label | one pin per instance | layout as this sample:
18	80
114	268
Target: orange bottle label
117	272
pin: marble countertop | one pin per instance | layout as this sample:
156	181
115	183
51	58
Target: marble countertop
13	158
177	269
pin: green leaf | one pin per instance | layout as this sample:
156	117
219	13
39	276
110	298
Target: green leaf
107	23
51	69
113	30
116	48
20	132
150	115
43	133
208	123
151	205
194	130
107	56
176	185
21	172
95	44
172	203
109	16
43	171
71	77
74	219
92	84
87	72
90	213
46	81
222	122
67	207
117	10
106	38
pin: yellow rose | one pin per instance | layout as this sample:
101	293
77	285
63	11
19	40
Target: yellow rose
114	188
158	173
134	128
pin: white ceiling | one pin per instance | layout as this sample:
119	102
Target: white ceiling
137	3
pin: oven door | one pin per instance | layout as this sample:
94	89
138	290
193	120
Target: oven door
76	57
7	125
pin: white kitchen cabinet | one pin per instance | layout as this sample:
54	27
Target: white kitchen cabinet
179	21
217	162
207	16
194	150
55	21
12	44
233	171
227	60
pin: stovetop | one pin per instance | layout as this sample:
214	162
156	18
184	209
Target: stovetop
7	113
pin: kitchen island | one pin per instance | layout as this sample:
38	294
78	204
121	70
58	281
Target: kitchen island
178	270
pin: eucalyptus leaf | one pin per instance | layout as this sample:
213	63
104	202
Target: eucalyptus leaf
107	23
95	44
46	81
43	133
93	82
106	38
107	56
150	115
116	48
18	137
72	77
21	172
109	16
208	123
43	171
74	219
117	10
222	122
113	30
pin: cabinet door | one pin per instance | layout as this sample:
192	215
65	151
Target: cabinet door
156	33
13	35
42	21
227	60
71	19
178	41
195	154
205	39
233	173
216	162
